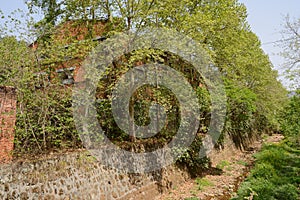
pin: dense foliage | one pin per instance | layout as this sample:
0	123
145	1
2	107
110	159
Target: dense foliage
275	175
255	96
290	118
277	168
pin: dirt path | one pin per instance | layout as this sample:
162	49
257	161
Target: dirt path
220	186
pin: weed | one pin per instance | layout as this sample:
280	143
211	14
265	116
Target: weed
241	162
223	164
192	198
202	182
193	192
229	168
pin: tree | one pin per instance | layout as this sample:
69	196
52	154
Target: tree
15	57
254	94
290	117
291	49
50	8
44	118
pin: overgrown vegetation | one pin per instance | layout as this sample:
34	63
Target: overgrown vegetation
276	174
69	31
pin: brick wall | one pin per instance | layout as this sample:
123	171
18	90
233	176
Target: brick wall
7	122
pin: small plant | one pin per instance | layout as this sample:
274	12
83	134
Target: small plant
202	182
192	198
264	136
241	162
229	168
223	164
194	192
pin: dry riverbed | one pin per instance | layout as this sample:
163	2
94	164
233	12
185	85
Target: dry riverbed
223	182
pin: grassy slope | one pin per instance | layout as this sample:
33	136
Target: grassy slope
276	174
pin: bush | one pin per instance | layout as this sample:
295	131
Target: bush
275	175
263	170
286	192
45	121
290	117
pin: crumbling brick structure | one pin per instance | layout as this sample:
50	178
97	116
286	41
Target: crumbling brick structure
7	122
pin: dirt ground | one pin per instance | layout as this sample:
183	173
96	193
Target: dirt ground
231	168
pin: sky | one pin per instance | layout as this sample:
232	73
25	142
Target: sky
266	18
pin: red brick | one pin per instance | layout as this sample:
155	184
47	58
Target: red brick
7	122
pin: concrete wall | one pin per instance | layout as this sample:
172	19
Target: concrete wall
7	122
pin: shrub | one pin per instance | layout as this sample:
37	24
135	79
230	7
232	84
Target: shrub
286	192
275	175
263	170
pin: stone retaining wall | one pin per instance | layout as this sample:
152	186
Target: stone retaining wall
80	176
